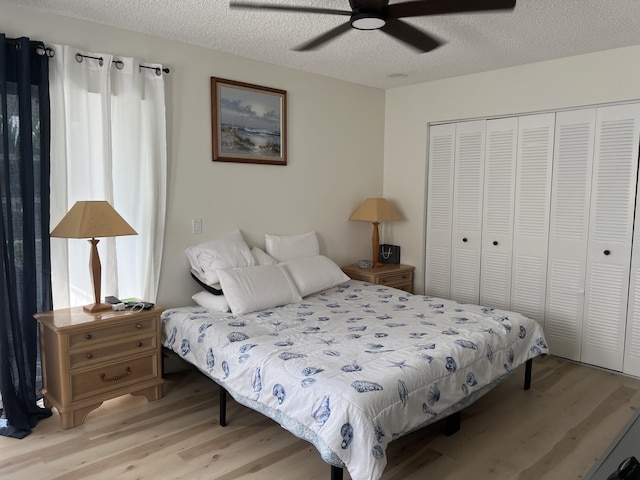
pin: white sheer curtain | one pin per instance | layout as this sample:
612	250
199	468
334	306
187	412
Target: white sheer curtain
108	142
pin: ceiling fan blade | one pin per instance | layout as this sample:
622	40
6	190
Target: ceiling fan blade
325	37
286	8
420	8
410	35
368	5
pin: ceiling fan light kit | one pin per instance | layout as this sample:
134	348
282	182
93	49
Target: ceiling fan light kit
367	21
380	15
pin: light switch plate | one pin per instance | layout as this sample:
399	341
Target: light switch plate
196	225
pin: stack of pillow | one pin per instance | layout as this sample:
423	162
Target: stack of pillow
244	280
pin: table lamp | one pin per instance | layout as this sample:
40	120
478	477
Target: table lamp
91	219
375	210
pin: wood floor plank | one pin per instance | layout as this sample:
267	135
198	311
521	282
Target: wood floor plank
556	430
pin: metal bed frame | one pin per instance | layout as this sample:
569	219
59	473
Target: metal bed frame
452	422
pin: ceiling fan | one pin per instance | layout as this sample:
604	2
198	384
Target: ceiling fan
379	15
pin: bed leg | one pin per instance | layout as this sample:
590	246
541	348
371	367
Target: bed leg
452	424
223	407
527	374
336	473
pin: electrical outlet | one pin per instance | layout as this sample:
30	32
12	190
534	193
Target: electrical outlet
196	225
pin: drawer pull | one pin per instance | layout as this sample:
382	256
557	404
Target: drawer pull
139	344
126	373
88	336
89	355
138	326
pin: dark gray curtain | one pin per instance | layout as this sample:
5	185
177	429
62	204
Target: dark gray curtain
25	271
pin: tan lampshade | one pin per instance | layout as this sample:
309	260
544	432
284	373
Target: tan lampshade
375	210
91	219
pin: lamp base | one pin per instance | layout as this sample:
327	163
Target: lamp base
96	307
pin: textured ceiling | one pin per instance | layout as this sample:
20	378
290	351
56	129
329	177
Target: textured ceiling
536	30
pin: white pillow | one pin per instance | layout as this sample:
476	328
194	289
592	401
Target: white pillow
261	257
314	274
248	289
290	247
211	301
227	251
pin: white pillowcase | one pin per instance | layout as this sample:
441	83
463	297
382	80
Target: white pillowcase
262	258
227	251
211	301
290	247
248	289
314	274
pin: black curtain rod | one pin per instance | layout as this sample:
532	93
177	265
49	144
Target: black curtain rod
40	50
50	52
157	69
119	63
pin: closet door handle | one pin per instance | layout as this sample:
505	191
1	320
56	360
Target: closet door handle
607	252
465	239
495	242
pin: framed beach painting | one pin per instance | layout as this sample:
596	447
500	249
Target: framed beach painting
249	123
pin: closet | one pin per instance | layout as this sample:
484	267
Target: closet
487	211
592	218
535	213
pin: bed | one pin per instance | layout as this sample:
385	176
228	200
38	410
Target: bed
355	366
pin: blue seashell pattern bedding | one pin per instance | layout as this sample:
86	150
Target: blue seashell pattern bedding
356	366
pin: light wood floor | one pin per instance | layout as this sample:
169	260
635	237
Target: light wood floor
556	430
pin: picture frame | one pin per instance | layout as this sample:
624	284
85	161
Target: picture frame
248	123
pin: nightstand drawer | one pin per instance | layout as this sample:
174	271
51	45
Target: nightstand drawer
102	352
391	275
406	286
94	335
110	377
395	280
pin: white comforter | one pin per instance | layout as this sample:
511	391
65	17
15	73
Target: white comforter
354	367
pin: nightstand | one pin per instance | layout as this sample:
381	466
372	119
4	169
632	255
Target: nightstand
88	358
391	275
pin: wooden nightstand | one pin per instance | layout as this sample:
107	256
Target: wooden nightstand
396	276
89	358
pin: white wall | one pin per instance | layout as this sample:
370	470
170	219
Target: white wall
346	142
601	77
335	148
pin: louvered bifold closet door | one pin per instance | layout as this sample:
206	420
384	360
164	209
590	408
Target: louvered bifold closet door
467	211
613	193
497	224
531	226
569	229
631	361
439	210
